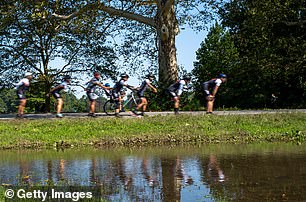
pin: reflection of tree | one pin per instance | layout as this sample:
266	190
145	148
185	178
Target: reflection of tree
24	172
103	174
173	176
168	180
93	178
49	172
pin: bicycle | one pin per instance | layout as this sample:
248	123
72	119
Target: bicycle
130	104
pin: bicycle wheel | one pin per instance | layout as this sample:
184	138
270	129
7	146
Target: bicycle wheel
133	104
109	107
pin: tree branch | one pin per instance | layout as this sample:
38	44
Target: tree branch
111	11
69	62
15	50
128	15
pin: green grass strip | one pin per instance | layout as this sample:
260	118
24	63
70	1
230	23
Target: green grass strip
156	130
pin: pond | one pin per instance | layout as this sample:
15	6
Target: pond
178	173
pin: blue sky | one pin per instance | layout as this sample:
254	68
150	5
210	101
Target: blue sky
187	43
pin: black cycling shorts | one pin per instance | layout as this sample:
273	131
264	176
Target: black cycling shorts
56	95
20	95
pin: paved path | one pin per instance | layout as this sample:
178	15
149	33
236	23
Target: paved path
127	115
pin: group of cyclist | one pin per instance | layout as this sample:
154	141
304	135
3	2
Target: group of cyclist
175	90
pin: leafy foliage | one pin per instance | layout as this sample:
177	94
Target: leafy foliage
270	38
7	101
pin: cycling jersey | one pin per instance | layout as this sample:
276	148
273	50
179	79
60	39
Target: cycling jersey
92	85
22	87
91	88
143	87
118	87
210	85
117	90
63	86
176	89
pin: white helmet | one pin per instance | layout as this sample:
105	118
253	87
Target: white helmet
28	74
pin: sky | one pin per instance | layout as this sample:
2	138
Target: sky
187	43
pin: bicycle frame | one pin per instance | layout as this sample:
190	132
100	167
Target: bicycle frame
130	104
128	101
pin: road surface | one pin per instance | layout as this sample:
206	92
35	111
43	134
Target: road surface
127	115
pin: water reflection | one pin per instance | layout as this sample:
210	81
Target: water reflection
210	173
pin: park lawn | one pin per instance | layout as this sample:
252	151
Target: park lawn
156	130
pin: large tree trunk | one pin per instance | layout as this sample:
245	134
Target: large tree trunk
47	106
166	33
170	180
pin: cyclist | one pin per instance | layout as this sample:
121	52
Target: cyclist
176	89
144	85
116	92
21	87
210	90
91	94
56	93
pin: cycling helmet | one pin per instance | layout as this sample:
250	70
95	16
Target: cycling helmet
28	74
124	75
107	85
222	76
66	77
187	77
150	75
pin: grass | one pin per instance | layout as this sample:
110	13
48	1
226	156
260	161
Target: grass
157	130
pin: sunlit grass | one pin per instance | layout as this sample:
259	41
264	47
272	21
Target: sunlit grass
154	130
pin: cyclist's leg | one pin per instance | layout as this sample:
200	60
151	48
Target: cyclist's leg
176	104
176	101
92	98
22	104
144	103
210	102
59	107
92	106
118	103
210	106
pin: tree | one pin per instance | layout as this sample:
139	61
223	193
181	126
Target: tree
270	38
3	107
30	40
8	97
216	55
160	18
